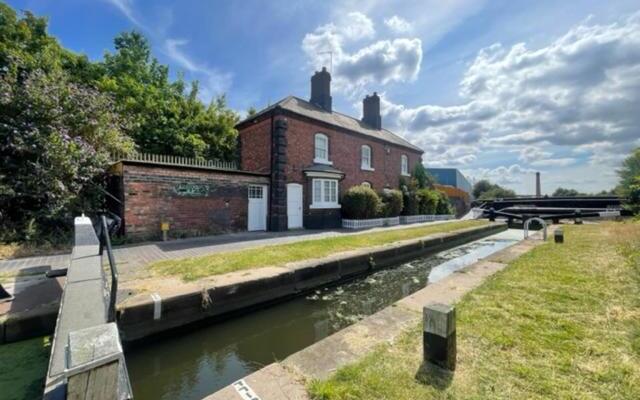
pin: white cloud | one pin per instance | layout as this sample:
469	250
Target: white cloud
215	82
382	61
398	24
581	91
554	162
503	175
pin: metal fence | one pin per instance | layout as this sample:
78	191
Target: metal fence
177	161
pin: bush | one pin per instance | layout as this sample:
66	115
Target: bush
427	201
391	203
443	207
360	202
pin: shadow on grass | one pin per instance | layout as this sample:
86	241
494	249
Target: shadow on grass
434	376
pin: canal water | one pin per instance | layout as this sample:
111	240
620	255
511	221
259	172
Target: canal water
195	364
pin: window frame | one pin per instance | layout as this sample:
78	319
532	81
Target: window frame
404	165
367	184
370	158
316	159
325	193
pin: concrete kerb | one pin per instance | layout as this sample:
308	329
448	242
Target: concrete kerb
245	289
321	359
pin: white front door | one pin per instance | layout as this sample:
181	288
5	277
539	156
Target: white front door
294	205
257	218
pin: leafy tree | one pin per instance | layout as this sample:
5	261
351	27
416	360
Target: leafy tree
485	190
564	192
634	196
166	118
628	172
251	112
422	177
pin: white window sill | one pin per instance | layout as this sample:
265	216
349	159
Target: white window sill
407	175
320	161
324	206
367	169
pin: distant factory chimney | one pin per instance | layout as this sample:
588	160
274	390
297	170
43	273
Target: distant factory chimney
321	89
538	189
371	111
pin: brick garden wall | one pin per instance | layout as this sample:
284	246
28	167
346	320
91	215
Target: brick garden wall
194	201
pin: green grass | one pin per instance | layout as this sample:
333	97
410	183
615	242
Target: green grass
23	366
190	269
561	322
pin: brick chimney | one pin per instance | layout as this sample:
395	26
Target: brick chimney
321	89
371	111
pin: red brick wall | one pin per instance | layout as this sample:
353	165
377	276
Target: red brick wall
151	196
255	147
344	152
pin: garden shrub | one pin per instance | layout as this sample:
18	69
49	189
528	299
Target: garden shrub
391	203
427	201
443	206
360	202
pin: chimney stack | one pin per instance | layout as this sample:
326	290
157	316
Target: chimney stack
538	189
371	111
321	89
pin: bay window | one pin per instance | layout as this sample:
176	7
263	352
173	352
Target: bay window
325	193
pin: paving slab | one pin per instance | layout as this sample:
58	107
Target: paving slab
273	382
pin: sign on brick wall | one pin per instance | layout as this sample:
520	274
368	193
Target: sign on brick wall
191	189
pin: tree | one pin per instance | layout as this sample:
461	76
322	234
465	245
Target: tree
485	190
422	177
563	192
56	133
628	172
167	119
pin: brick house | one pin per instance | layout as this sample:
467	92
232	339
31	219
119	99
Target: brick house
313	154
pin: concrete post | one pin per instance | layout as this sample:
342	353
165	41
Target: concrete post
578	217
558	236
95	364
439	335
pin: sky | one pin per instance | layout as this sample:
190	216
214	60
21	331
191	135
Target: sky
497	89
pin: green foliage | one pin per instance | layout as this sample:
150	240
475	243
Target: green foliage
391	203
166	119
427	201
424	201
633	195
444	206
563	192
628	172
61	116
360	202
55	133
485	190
422	177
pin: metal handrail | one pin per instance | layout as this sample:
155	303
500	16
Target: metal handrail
111	314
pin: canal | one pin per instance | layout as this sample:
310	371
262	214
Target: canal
197	363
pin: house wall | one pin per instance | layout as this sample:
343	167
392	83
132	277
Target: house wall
255	147
194	201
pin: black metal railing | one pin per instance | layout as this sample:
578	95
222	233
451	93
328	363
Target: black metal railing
106	244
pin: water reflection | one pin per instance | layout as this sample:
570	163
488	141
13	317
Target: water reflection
195	364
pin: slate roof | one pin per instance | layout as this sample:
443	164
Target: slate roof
307	109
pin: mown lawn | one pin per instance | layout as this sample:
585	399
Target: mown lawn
561	322
23	366
198	267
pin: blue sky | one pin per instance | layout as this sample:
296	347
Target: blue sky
499	89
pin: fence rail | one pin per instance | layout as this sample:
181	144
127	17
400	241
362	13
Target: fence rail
414	219
176	161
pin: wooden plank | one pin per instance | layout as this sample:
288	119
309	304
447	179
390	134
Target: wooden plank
97	384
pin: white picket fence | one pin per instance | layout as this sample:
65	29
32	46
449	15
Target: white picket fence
176	161
369	223
404	219
414	219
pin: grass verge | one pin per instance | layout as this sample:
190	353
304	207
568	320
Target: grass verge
23	366
18	250
190	269
563	321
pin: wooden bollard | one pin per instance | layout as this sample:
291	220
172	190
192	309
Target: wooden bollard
558	235
439	335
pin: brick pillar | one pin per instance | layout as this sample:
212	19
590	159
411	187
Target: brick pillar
278	207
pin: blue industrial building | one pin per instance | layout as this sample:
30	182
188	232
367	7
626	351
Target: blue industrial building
452	177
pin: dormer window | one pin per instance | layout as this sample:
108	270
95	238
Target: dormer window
321	149
404	165
365	158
